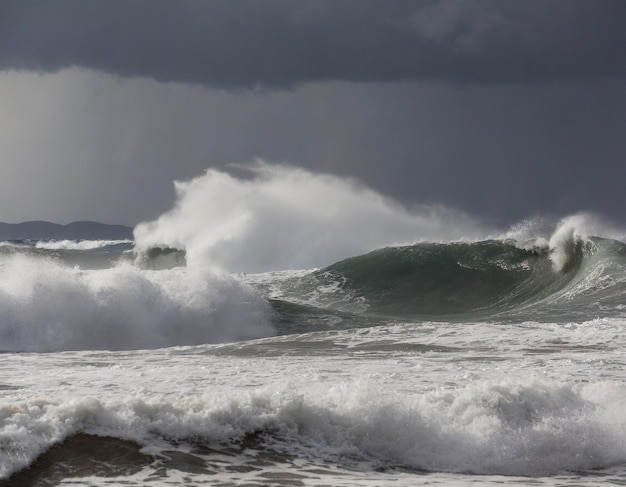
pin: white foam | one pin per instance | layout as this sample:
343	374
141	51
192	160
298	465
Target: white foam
560	238
47	306
576	228
77	244
531	428
282	217
563	240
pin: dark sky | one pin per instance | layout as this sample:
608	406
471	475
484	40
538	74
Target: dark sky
503	109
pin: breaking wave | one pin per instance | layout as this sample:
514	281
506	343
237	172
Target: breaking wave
48	306
571	278
529	428
172	287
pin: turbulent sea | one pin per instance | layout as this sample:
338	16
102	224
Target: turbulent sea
487	361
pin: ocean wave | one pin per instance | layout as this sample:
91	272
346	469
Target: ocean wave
571	275
531	428
48	306
49	303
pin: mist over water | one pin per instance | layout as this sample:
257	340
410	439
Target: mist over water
275	217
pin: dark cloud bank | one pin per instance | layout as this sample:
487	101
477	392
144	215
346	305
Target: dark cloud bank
502	108
281	43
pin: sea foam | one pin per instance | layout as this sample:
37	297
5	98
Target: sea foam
529	428
78	244
48	306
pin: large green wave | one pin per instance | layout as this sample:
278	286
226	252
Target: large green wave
480	280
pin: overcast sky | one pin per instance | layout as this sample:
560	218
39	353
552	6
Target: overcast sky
503	109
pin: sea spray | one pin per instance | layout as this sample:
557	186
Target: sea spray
573	233
282	217
48	306
564	243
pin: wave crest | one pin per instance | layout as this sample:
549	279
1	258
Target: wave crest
478	280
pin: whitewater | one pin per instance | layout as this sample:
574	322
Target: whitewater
284	327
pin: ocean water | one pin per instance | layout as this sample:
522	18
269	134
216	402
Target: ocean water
268	351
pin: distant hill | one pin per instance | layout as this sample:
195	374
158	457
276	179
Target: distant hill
39	230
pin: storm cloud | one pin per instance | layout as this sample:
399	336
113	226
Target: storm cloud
273	44
500	109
